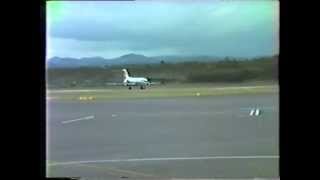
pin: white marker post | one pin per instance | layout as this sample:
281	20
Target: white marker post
252	112
257	112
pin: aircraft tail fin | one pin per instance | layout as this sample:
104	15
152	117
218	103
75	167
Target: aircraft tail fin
125	73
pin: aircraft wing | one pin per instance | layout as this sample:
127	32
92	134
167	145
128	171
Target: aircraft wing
132	84
114	84
155	83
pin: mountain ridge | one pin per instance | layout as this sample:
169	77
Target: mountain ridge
131	58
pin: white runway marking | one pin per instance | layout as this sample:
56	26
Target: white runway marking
164	159
79	119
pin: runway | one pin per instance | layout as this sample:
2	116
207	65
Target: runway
177	137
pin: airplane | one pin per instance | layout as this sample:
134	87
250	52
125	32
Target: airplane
135	81
129	81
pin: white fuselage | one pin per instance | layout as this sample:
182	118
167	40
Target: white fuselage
134	81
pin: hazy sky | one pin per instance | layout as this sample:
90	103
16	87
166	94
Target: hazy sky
243	28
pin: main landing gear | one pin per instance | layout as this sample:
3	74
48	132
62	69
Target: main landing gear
142	87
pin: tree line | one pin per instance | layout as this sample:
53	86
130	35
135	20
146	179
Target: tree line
228	70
